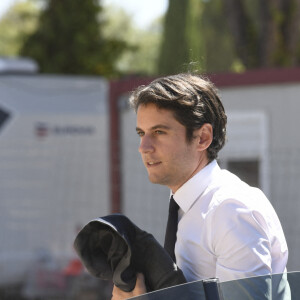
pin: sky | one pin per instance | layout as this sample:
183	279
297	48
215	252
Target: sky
142	11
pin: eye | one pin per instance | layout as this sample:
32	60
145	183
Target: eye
140	133
159	132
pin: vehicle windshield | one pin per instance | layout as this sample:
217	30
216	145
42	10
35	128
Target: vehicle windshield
270	287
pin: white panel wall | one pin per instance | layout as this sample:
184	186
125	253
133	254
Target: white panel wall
248	139
54	167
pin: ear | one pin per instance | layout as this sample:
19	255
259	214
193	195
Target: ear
204	136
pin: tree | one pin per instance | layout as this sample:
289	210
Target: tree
19	21
265	33
219	52
69	40
141	57
182	44
232	35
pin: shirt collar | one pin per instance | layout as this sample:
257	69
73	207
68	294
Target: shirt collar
188	193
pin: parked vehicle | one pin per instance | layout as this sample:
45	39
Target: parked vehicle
269	287
53	173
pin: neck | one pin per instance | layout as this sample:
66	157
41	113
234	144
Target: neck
202	163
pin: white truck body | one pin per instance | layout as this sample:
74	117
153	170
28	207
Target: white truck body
53	166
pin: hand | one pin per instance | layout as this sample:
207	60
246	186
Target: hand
139	289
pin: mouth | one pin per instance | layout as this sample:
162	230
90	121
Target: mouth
151	164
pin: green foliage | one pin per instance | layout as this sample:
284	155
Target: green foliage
82	37
219	53
142	60
182	44
69	40
230	35
196	38
19	21
265	33
141	57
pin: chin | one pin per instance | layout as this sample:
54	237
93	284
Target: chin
156	180
153	180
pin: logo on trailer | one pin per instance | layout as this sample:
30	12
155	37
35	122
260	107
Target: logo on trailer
43	130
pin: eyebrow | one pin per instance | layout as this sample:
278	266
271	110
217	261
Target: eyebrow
158	126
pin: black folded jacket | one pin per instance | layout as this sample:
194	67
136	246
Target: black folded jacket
114	248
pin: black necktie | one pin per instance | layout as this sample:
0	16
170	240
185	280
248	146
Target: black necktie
170	237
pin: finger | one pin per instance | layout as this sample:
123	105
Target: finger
140	286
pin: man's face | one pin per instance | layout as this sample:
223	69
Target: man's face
169	159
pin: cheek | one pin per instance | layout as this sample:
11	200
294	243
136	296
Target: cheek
181	156
189	156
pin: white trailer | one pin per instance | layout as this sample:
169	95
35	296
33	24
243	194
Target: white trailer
53	166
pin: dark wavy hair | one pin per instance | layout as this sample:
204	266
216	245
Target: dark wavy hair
194	102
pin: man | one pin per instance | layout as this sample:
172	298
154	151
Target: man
226	229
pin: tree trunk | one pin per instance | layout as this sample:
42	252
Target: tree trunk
243	31
274	41
290	29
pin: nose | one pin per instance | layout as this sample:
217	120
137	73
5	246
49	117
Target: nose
146	144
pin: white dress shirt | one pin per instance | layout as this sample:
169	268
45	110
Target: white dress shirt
227	229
